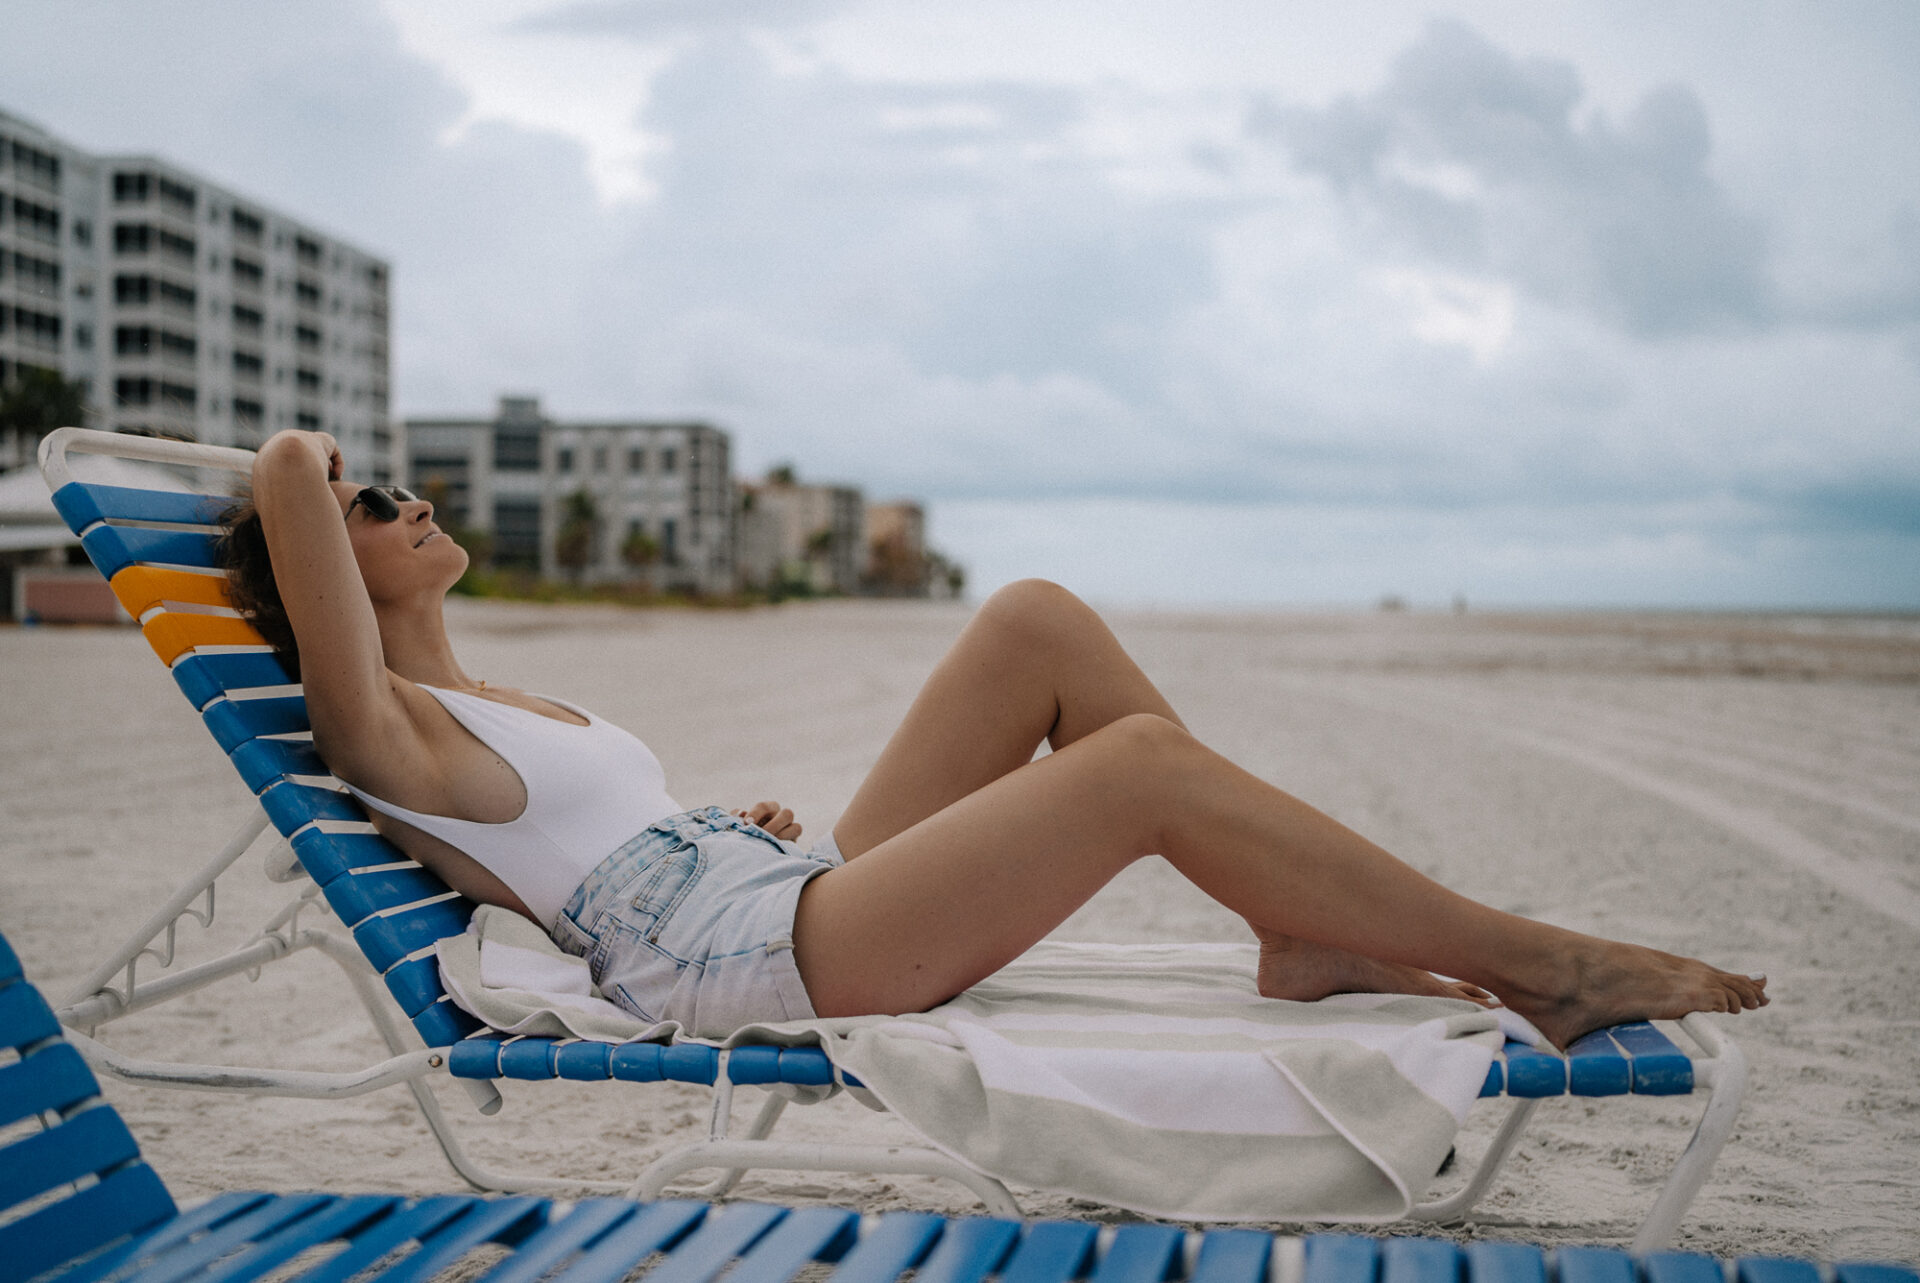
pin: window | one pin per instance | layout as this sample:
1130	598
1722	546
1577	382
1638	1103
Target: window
599	459
306	293
248	272
34	275
308	380
307	421
307	337
36	220
35	327
670	540
178	195
564	459
669	459
83	337
248	365
516	447
636	460
247	226
131	188
144	340
138	238
249	319
143	391
516	533
307	251
131	291
35	165
82	232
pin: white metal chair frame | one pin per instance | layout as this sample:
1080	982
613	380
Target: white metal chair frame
96	1001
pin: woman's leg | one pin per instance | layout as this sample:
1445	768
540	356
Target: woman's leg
960	894
1036	664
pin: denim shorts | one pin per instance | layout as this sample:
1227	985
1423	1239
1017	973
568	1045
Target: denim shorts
692	921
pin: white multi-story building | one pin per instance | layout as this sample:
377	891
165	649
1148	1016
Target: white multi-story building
645	502
185	308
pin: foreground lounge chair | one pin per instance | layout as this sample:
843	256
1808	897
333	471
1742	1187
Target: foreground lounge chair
77	1203
157	551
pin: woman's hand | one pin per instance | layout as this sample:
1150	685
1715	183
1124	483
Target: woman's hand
322	443
774	818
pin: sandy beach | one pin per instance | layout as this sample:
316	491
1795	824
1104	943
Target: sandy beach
1742	788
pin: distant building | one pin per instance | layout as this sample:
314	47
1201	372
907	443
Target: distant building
185	308
791	533
896	550
637	501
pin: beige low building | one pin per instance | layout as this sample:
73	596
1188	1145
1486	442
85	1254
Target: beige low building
796	534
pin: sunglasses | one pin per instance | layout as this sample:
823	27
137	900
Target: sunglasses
382	502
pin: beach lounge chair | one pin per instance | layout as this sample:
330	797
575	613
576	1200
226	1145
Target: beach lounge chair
77	1203
157	551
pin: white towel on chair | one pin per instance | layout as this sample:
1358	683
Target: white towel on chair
1149	1077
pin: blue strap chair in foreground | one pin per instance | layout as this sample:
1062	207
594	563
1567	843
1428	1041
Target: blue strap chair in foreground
157	551
77	1203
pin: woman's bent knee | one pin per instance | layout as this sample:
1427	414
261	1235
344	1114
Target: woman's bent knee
1030	601
1143	744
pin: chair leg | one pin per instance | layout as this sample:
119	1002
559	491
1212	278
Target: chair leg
397	1038
1456	1205
763	1122
1690	1172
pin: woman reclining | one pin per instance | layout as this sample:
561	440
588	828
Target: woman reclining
958	852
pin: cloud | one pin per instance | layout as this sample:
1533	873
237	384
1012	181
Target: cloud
1481	162
1458	320
651	20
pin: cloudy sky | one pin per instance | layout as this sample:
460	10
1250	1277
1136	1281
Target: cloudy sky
1223	302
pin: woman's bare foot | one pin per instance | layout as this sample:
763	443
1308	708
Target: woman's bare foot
1303	971
1604	982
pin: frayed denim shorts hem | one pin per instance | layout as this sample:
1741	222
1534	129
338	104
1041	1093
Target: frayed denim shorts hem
692	921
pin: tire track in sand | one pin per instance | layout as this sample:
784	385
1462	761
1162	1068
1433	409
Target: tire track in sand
1857	879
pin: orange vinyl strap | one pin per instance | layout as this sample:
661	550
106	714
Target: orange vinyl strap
141	588
173	633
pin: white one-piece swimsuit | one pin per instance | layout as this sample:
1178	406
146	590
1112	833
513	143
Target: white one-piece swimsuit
683	916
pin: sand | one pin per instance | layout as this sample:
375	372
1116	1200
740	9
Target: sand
1740	788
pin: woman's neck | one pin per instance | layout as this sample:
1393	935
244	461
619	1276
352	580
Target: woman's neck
413	640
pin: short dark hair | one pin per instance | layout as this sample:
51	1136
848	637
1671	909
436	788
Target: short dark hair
251	587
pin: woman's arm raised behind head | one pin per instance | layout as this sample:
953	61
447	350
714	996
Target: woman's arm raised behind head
350	697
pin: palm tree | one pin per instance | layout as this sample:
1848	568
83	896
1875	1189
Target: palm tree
573	545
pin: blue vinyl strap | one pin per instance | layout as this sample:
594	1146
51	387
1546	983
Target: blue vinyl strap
659	1227
1533	1073
1419	1260
969	1251
1336	1258
1051	1252
803	1235
80	504
1680	1267
899	1242
202	678
1659	1067
1595	1067
1233	1256
1774	1269
1505	1263
1141	1254
1592	1265
724	1234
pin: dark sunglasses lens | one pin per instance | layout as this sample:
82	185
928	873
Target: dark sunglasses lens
379	504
